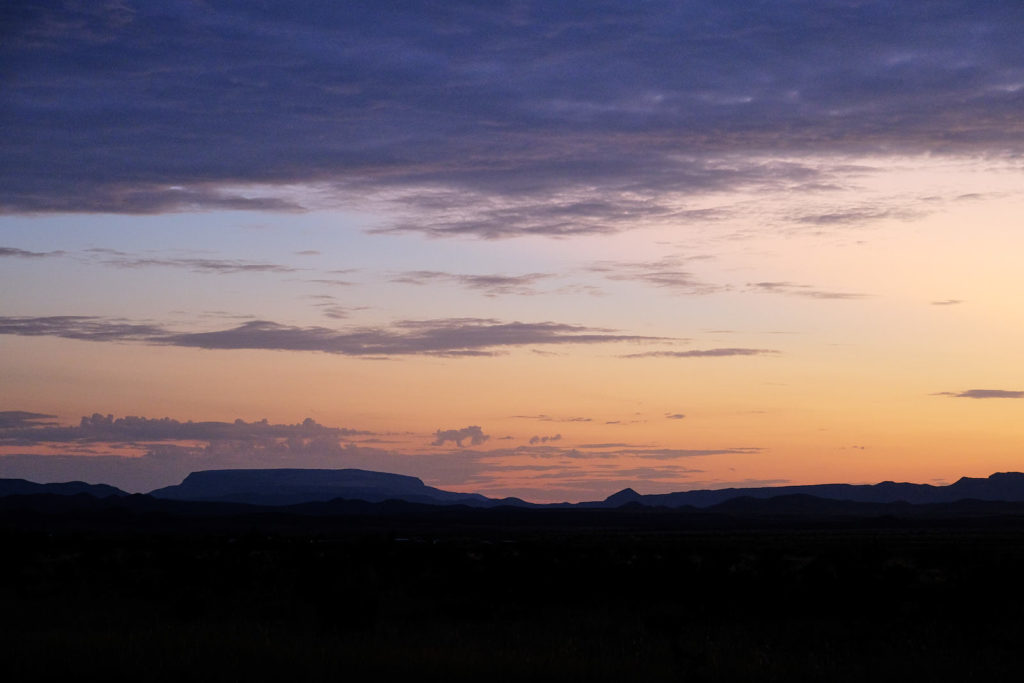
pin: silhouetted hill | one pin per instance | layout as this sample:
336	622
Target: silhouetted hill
293	486
22	487
1002	486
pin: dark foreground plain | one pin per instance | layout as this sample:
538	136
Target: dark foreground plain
117	593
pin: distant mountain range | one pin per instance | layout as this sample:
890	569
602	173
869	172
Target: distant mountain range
1003	486
290	487
22	487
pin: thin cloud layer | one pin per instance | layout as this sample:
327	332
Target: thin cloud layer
701	353
197	265
984	393
442	337
22	428
12	252
492	121
488	285
793	289
15	419
667	274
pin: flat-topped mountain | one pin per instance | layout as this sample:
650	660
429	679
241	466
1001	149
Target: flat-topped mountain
1003	486
292	486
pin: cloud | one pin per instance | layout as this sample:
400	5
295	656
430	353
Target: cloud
25	428
474	433
120	259
86	328
666	274
947	302
452	337
852	216
621	450
489	285
792	289
549	418
674	416
14	419
11	252
544	439
140	454
549	119
701	353
197	265
983	393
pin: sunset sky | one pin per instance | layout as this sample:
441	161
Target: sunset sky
543	249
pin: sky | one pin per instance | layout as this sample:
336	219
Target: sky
548	250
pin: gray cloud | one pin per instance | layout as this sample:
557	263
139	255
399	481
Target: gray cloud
947	302
333	282
674	416
198	265
25	428
120	259
489	285
701	353
666	273
792	289
11	252
451	337
550	118
619	450
474	433
12	419
983	393
852	216
544	439
86	328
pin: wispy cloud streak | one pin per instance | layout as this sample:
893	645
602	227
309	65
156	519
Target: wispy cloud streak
442	337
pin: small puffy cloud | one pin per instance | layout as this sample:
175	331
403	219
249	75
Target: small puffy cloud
474	433
544	439
674	416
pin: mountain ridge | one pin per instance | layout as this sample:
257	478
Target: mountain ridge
295	486
999	486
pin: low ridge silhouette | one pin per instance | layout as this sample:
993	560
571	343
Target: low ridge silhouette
286	487
1003	486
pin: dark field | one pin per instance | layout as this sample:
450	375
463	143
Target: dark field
243	599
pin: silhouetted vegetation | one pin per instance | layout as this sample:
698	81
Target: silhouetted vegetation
580	595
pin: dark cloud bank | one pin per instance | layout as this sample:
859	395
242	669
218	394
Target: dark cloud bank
492	119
